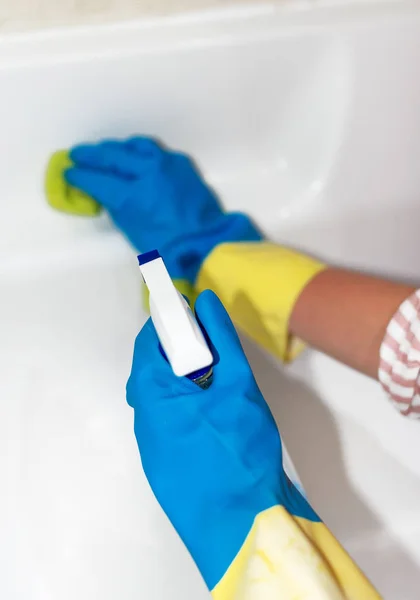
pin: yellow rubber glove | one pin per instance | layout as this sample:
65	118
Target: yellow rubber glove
259	284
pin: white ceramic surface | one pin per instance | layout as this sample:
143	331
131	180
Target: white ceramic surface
309	120
22	15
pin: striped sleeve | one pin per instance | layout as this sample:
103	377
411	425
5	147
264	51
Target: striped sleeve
399	366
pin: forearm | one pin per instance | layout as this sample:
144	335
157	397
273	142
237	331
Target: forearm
345	315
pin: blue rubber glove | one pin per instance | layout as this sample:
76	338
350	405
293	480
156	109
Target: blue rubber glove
212	457
158	200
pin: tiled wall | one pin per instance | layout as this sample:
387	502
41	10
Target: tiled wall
19	15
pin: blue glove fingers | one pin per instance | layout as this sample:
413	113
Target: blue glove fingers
223	337
144	146
115	157
105	189
151	370
147	344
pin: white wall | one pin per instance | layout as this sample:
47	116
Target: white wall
19	15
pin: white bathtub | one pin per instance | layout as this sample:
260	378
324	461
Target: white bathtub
310	120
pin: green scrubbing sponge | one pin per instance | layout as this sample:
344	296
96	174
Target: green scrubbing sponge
61	195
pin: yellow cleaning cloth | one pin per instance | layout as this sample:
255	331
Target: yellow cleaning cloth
62	196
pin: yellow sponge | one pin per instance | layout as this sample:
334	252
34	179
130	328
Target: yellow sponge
61	195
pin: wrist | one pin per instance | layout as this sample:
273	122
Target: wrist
185	255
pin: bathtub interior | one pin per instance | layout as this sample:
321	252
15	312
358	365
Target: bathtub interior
307	120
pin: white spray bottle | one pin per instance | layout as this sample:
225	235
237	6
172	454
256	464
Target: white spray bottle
180	336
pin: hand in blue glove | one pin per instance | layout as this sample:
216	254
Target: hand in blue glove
158	200
212	457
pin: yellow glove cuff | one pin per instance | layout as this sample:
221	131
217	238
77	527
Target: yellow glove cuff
259	283
292	557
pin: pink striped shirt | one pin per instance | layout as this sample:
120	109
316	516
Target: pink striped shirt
399	367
